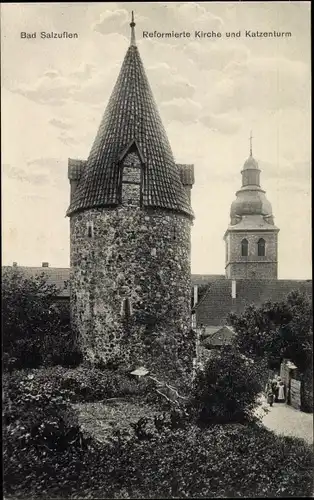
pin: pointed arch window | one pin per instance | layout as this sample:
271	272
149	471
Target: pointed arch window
244	247
261	244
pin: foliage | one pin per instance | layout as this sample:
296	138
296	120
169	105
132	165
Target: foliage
223	461
90	384
163	458
227	389
38	424
277	330
81	384
42	436
36	330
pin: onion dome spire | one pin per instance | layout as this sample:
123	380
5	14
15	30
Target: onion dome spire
132	25
251	137
251	171
250	199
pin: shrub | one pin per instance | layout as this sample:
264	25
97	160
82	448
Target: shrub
227	389
277	330
40	431
36	330
81	384
221	461
42	439
46	455
89	384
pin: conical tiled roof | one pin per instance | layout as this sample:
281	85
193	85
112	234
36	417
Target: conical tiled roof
131	117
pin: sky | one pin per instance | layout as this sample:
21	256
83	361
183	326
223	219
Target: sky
210	93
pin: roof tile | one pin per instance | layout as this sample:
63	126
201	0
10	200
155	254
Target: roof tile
131	115
217	302
59	275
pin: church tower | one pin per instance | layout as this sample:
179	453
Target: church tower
130	226
252	237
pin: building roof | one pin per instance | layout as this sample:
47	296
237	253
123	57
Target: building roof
217	302
131	120
250	163
250	198
253	222
59	276
207	331
223	336
204	279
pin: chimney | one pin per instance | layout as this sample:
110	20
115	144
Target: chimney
233	289
45	264
14	264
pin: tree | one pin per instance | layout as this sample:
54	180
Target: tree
277	330
36	330
227	389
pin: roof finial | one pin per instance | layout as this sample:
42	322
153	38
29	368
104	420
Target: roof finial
251	137
132	24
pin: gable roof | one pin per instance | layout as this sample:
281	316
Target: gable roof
208	331
217	302
222	336
59	275
204	279
131	119
255	222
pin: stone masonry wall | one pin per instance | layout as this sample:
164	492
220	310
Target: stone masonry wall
130	288
252	266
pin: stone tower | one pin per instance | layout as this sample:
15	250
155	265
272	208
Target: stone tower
251	238
130	224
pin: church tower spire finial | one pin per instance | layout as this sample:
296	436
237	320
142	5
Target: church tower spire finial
132	24
251	149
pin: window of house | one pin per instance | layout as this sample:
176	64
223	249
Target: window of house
244	247
261	247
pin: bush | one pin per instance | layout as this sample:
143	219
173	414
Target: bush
23	388
89	384
277	330
42	439
222	461
227	389
45	453
219	462
40	430
36	330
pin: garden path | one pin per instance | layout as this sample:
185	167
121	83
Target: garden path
285	420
